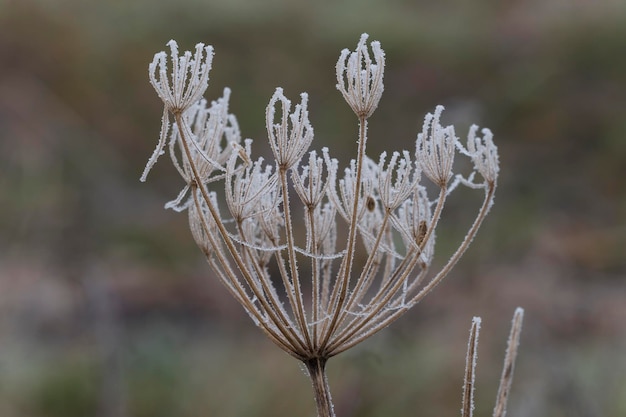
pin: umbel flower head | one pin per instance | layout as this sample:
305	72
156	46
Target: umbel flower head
309	292
360	79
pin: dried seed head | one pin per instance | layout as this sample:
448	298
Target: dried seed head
397	181
359	79
291	137
190	76
435	148
310	184
484	154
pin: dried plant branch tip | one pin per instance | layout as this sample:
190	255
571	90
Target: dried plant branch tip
509	364
470	369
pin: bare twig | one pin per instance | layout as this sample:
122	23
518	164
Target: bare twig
467	409
509	364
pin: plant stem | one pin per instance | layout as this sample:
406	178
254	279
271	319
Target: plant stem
316	367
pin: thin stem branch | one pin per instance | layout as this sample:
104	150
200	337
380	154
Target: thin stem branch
440	276
298	308
509	364
386	292
464	245
366	276
340	289
467	409
266	284
235	287
288	333
315	276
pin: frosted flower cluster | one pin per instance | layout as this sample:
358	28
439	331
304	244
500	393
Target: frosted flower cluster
320	257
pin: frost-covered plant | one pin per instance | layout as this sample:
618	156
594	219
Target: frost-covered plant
368	238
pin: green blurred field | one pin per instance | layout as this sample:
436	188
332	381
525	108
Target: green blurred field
107	308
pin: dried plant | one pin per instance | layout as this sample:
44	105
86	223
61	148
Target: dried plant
499	410
369	237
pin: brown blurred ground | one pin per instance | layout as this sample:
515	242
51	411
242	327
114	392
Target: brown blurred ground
106	307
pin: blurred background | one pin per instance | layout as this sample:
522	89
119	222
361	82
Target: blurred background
107	307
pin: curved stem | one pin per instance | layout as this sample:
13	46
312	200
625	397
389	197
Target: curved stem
487	202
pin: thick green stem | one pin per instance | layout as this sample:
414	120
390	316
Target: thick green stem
316	367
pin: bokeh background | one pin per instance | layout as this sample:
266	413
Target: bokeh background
108	309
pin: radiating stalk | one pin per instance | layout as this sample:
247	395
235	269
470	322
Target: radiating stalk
340	289
297	304
288	333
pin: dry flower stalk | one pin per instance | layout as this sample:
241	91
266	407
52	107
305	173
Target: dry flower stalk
499	410
380	209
